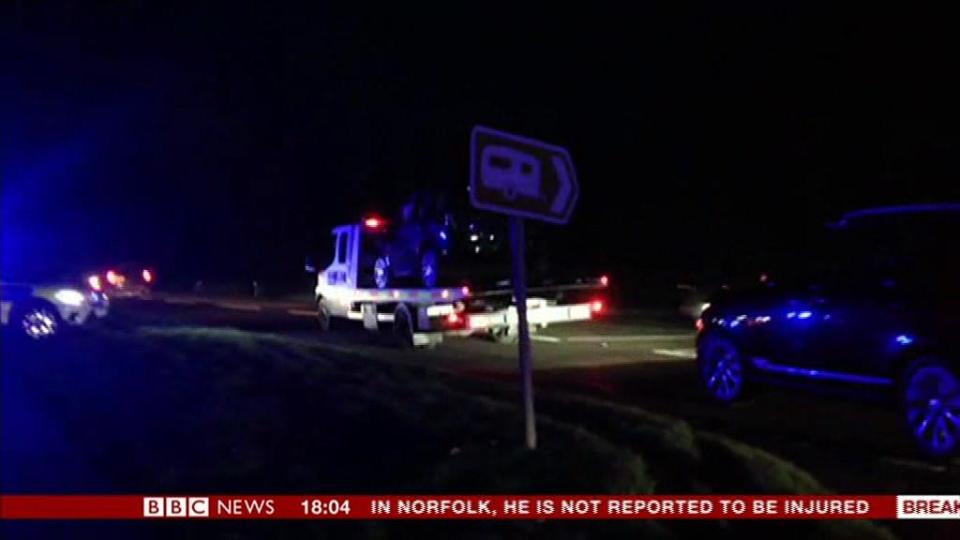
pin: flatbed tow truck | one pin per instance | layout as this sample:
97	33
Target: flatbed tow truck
423	316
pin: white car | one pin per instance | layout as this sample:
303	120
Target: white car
41	311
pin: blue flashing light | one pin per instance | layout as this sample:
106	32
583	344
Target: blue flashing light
804	314
904	339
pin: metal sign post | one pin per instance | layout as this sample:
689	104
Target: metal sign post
522	178
518	242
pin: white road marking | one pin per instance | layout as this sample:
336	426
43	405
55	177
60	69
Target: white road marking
676	353
238	307
915	464
302	312
628	338
545	339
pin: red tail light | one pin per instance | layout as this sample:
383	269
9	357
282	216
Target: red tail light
604	280
147	276
699	324
596	306
373	222
112	277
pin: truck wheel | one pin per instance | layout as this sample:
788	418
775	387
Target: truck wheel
429	268
381	272
403	326
323	315
504	335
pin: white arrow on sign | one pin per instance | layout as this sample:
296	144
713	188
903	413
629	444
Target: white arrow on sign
522	177
566	185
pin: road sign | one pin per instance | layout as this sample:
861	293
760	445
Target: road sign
521	177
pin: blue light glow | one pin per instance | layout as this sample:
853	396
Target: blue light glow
904	209
805	314
904	339
796	371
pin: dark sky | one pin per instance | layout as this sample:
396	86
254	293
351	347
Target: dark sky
224	141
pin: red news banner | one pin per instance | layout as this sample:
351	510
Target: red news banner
477	507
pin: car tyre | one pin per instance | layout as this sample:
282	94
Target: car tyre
38	321
930	405
722	369
381	272
429	268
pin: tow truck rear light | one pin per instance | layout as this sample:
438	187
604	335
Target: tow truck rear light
465	290
112	277
453	318
596	306
373	223
147	276
604	280
699	324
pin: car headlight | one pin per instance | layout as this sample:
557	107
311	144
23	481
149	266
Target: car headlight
704	306
69	297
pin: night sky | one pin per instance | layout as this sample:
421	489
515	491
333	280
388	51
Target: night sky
224	142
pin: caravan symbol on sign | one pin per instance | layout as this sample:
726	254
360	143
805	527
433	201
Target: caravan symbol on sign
521	177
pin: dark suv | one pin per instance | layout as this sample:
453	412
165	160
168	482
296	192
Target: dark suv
873	305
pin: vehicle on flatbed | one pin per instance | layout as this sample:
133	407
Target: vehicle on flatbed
422	316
